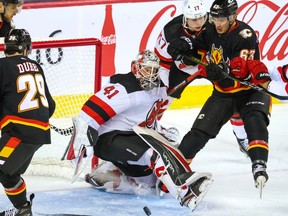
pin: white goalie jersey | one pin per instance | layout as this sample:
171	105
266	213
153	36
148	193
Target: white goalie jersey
121	104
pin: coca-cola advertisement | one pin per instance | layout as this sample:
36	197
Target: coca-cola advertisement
124	27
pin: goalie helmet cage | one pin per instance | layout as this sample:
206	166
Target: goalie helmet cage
72	68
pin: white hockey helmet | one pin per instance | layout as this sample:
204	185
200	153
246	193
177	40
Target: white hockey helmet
146	69
193	9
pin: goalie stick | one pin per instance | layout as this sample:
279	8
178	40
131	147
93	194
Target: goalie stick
251	85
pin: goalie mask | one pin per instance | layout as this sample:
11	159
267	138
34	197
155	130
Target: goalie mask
193	9
145	68
17	40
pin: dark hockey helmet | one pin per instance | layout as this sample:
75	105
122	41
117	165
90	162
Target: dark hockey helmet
146	69
223	8
5	2
17	40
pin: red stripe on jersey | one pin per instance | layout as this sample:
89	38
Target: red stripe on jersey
90	112
9	148
16	191
108	109
13	142
258	143
162	57
24	121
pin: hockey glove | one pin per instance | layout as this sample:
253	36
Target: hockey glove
258	71
239	68
284	72
215	72
179	46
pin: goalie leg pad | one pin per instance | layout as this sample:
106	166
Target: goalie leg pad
172	169
78	138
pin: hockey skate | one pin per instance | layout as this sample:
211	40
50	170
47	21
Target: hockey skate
25	210
105	172
243	145
109	178
197	190
260	175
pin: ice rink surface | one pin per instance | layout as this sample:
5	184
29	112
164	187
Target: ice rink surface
232	193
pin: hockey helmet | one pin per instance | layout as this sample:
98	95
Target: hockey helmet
17	40
193	9
5	2
223	8
146	69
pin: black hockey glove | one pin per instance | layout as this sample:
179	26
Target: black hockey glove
179	46
215	72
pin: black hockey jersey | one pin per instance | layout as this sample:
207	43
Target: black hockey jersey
241	41
5	27
25	101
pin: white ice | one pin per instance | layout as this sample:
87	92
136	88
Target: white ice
232	193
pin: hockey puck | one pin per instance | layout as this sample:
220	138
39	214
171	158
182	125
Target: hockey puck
147	210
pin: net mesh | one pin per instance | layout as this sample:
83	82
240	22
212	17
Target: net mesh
72	71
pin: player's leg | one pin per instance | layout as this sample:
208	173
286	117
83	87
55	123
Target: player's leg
11	169
240	133
256	120
135	158
213	115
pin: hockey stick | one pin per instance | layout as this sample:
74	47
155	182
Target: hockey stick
229	76
185	82
65	131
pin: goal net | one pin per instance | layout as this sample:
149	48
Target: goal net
72	70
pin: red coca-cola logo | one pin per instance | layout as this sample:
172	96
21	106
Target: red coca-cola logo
107	40
273	42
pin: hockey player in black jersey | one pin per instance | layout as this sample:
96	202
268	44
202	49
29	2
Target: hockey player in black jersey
8	9
187	25
127	100
224	39
26	106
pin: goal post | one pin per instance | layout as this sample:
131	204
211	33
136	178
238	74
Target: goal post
72	68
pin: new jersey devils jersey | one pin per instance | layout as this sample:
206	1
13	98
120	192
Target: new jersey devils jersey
241	41
26	103
173	72
122	103
279	81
